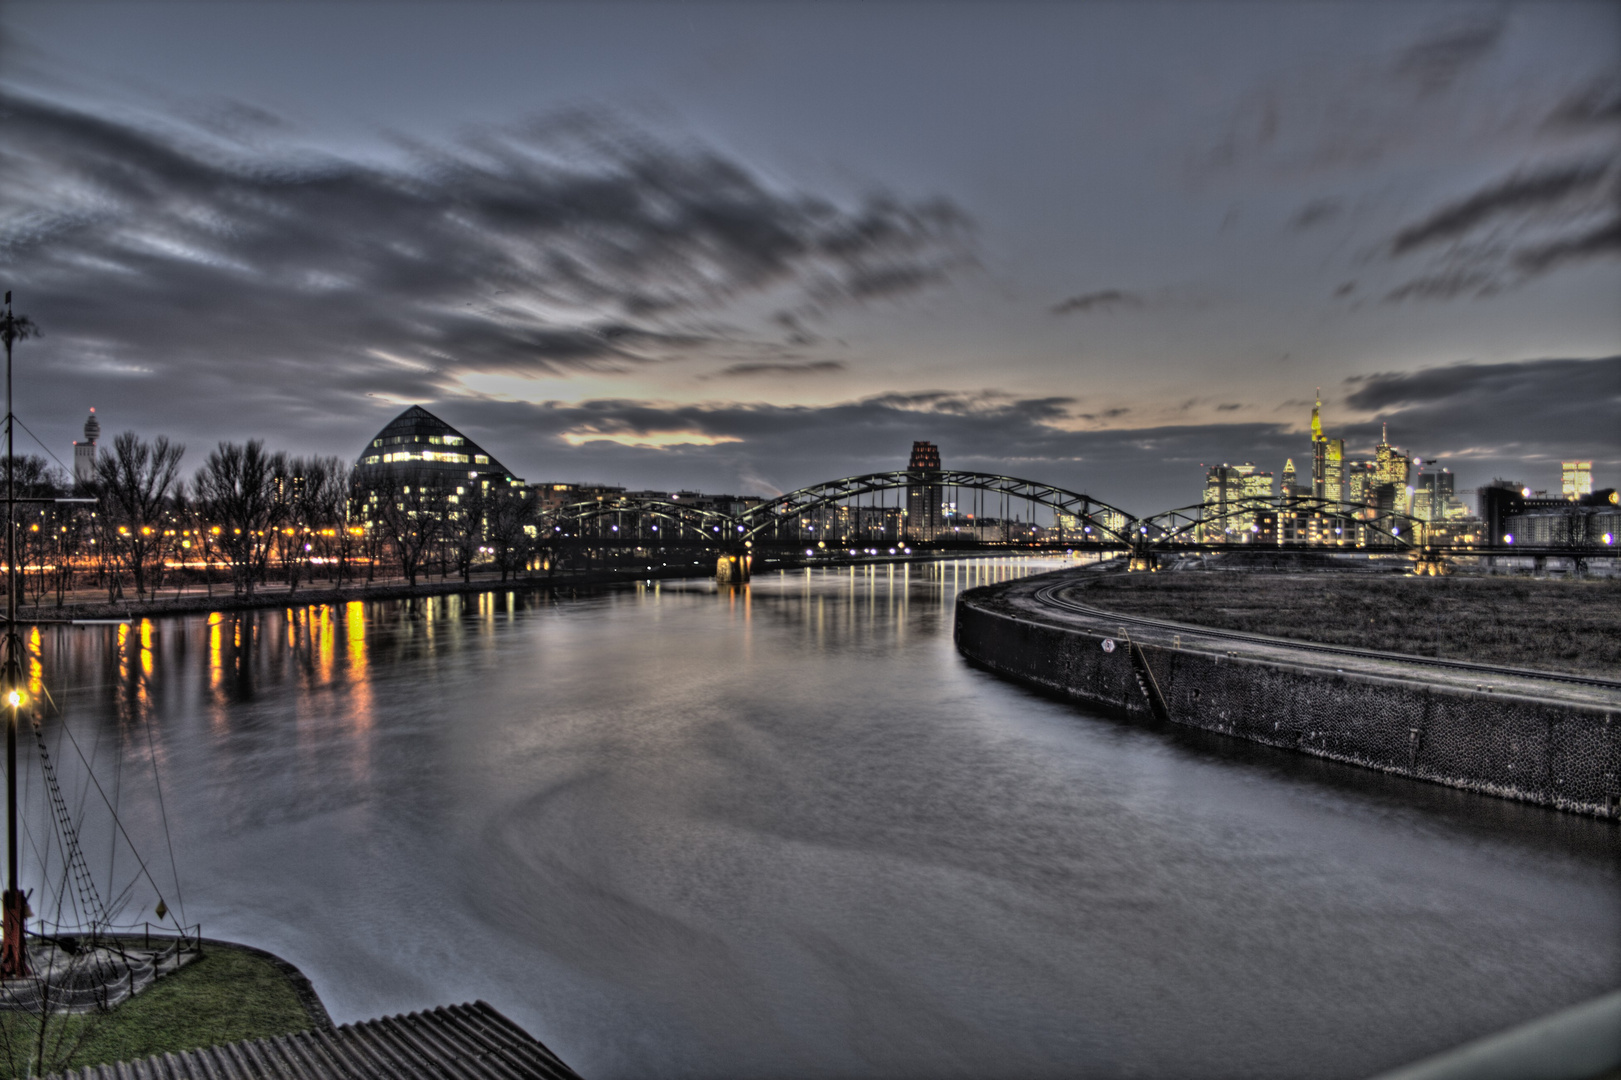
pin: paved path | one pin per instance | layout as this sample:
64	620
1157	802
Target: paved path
1061	598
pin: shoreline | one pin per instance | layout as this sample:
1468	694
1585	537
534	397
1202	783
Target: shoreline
1530	738
201	604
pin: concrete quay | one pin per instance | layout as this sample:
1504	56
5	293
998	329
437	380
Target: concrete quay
1537	737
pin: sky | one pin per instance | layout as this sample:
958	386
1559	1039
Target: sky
745	247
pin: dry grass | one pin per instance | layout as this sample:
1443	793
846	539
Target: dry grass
226	996
1549	625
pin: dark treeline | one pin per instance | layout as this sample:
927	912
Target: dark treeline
249	516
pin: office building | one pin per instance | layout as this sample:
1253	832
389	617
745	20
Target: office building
925	515
1575	479
417	449
1327	459
1229	507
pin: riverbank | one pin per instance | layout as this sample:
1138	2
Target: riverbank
197	602
1522	736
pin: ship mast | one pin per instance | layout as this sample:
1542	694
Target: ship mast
13	950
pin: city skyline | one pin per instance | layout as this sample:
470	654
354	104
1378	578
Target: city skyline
1090	246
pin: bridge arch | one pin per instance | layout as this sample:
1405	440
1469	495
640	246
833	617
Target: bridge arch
1093	514
1183	523
691	523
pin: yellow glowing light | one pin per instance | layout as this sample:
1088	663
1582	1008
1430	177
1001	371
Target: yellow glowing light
14	698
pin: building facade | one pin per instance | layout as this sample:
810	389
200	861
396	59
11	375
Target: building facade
84	453
925	514
1228	516
1575	479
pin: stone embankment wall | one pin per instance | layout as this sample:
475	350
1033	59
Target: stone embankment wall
1561	754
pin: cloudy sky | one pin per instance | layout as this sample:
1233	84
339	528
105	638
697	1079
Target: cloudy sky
750	246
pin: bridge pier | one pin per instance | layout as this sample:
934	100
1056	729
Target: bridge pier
732	568
1431	563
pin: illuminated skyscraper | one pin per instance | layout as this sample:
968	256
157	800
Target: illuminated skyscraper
84	453
1575	479
1227	520
1288	487
1327	458
1394	467
924	513
1360	478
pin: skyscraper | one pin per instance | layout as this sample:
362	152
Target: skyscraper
1575	479
84	453
1227	517
924	517
1394	467
1327	458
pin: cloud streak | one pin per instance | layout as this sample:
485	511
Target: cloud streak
542	249
1517	194
1103	300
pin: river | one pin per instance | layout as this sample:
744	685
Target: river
787	831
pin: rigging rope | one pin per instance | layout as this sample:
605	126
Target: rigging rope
118	821
83	883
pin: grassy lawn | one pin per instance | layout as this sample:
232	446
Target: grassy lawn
225	996
1570	625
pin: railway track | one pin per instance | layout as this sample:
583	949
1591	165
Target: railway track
1049	595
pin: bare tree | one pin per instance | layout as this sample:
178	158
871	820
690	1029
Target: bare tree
34	480
244	490
134	483
512	519
320	513
410	511
467	524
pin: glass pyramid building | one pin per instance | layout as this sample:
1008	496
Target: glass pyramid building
418	447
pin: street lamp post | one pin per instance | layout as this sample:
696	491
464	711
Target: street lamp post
13	951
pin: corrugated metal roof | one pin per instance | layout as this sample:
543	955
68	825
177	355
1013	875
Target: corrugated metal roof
465	1042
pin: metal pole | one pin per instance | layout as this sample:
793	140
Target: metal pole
13	957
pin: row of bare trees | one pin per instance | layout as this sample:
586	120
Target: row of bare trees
249	513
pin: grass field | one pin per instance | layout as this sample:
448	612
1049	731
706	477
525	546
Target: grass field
1546	624
225	996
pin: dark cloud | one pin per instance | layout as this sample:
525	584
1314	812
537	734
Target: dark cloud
1517	194
1510	231
1514	419
1511	413
1229	408
1447	284
1602	240
276	281
781	447
1438	61
784	367
1596	105
1105	300
1345	289
1316	212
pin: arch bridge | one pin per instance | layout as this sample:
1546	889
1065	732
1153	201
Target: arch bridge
881	510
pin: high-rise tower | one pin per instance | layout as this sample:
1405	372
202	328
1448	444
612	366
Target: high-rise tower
84	453
1327	458
924	519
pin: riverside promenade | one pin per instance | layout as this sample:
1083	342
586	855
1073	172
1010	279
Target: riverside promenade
1541	737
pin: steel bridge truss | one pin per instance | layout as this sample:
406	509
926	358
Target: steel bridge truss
636	520
655	520
1182	525
1092	514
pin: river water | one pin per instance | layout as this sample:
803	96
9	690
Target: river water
676	830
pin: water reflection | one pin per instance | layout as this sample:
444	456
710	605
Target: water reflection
782	829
